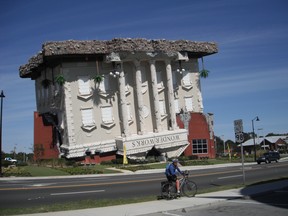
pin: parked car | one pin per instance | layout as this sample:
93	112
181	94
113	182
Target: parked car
268	157
14	161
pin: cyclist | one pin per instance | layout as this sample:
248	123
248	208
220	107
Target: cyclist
171	170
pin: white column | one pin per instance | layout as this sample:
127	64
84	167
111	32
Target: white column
156	113
123	102
171	104
140	103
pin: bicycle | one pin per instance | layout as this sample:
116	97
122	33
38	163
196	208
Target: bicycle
187	188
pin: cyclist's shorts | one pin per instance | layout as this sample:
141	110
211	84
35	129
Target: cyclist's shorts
172	178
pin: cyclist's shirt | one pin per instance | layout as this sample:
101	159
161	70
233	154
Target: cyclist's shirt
171	170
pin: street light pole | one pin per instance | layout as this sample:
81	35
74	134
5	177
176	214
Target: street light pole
1	96
223	145
257	119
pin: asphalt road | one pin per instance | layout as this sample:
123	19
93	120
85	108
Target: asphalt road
267	204
18	193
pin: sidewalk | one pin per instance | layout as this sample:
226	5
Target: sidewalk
165	205
181	203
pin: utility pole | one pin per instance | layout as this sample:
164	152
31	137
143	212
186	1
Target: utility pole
1	96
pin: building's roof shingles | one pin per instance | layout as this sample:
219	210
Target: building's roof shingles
74	47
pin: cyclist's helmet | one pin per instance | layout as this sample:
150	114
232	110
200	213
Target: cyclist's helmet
175	160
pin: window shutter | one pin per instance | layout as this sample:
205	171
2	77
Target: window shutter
84	85
87	117
159	80
104	85
176	105
107	115
162	107
129	112
186	78
189	103
174	79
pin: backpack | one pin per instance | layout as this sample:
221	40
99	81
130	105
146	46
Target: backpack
167	170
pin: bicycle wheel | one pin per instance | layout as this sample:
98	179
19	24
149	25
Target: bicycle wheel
172	190
189	188
168	191
165	190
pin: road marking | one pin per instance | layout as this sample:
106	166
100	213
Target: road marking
226	177
167	213
79	192
41	185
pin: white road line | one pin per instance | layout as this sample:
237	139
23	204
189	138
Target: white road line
79	192
41	185
226	177
167	213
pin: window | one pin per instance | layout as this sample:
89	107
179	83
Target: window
39	97
144	81
84	86
162	108
174	79
199	146
88	122
107	116
129	113
104	85
44	93
189	103
127	91
186	80
176	105
159	81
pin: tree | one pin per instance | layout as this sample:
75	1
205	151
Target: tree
38	152
203	73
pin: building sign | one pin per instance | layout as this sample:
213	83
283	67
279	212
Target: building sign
155	141
167	139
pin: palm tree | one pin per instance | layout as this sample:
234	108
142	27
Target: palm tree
203	73
60	79
98	78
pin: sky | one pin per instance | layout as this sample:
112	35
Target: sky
248	76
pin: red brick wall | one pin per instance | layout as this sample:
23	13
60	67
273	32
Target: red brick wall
198	129
97	159
43	138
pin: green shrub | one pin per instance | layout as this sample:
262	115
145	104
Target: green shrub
183	158
117	161
80	170
21	163
70	163
193	157
107	163
135	168
195	162
15	171
6	163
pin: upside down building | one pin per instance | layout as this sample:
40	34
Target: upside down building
95	98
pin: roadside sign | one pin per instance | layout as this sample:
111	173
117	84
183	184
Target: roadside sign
238	126
239	137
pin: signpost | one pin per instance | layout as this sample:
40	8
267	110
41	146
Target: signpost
239	138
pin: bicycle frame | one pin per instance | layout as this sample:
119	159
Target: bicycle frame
182	181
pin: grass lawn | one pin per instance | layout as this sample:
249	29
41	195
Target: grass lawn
37	171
